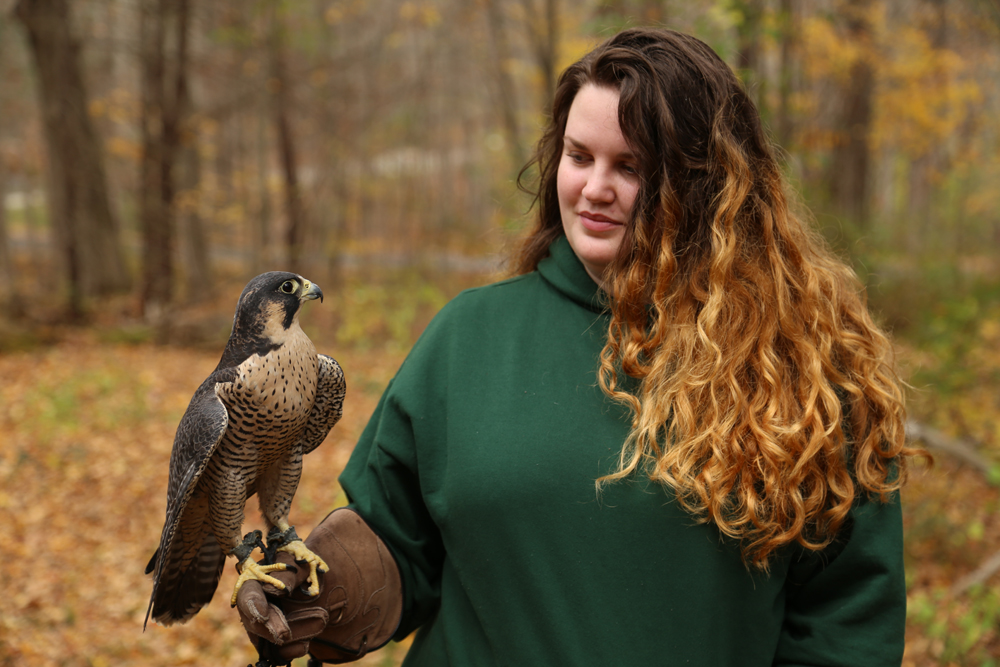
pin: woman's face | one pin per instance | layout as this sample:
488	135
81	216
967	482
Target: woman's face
597	180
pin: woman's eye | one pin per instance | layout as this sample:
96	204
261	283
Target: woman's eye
288	287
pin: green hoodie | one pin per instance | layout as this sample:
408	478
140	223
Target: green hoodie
478	471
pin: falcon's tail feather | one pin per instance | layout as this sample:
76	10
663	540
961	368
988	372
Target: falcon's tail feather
179	594
151	565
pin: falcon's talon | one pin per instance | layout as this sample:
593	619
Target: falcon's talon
253	571
302	554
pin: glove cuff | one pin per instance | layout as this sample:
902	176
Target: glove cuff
363	592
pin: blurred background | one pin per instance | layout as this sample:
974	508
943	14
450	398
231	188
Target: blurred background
156	154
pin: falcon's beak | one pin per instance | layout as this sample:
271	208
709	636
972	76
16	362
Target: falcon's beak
311	291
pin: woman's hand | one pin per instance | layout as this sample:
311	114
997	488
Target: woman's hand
358	607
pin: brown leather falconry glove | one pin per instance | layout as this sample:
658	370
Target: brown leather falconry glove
358	607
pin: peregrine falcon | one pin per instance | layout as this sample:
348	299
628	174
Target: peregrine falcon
271	400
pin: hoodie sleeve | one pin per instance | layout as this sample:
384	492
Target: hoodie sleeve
846	606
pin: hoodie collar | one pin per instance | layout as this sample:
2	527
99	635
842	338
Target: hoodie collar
563	270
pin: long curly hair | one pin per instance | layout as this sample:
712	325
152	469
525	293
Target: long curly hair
768	399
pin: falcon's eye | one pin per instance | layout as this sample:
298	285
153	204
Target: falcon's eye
288	287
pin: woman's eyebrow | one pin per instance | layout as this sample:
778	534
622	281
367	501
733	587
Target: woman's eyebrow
626	155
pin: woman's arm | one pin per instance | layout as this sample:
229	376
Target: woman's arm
846	605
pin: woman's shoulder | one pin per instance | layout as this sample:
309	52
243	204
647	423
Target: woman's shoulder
500	305
473	317
490	297
502	287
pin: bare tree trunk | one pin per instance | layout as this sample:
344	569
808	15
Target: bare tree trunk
788	32
849	173
10	297
166	106
84	226
260	234
196	258
8	291
294	209
500	49
543	33
176	101
280	106
923	168
748	48
156	190
179	139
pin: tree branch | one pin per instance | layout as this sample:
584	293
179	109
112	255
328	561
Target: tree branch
960	448
980	575
967	452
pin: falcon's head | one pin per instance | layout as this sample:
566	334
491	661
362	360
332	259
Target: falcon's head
268	308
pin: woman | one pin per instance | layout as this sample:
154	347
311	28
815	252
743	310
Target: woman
676	336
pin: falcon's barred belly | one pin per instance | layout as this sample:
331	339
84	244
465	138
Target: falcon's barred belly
271	400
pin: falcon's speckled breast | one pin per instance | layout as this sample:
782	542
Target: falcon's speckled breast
273	394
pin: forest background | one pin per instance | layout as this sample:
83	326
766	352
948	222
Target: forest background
156	154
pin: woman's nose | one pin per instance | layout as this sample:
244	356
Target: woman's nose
599	187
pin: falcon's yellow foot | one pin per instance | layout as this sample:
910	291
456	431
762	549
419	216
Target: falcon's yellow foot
317	566
251	570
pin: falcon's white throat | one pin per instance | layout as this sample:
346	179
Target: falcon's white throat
274	330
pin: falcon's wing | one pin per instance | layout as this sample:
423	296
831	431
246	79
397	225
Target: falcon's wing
329	406
198	435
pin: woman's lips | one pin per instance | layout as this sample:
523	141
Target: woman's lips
596	222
